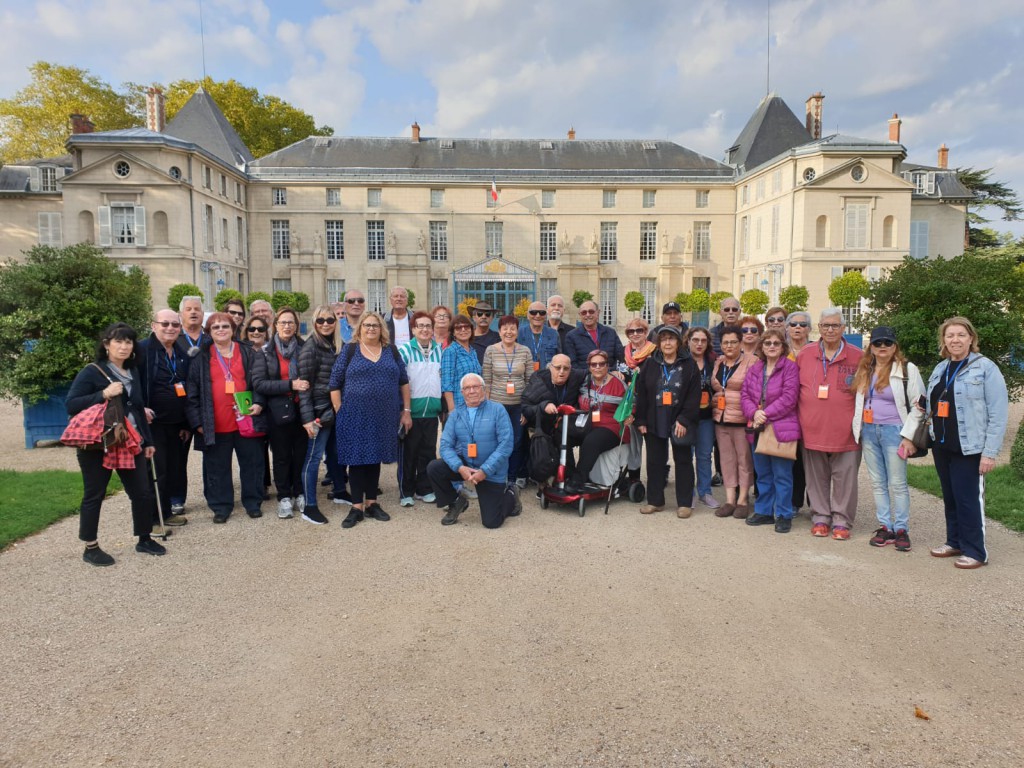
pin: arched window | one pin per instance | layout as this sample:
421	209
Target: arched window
821	232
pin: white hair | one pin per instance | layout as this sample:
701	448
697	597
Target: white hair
799	313
185	299
831	312
471	377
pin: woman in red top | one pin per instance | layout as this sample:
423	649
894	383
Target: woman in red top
222	369
600	396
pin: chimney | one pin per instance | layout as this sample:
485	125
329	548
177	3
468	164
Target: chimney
943	156
81	124
813	122
894	128
572	134
416	133
156	117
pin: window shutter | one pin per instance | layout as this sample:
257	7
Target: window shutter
206	230
140	225
874	274
44	229
837	272
931	184
103	214
33	179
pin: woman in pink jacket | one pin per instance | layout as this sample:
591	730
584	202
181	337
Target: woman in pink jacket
770	392
727	412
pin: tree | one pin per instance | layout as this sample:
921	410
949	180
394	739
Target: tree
986	286
699	301
35	119
281	299
180	291
300	301
466	305
220	301
578	297
265	123
634	301
53	307
683	300
988	193
794	298
753	301
848	289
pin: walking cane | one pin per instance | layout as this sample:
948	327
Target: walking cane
159	506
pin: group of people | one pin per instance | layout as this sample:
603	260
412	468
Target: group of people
755	404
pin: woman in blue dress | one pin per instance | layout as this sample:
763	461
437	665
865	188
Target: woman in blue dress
370	393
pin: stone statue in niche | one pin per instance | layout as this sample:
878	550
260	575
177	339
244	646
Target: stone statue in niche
318	243
689	241
566	245
595	244
664	241
422	242
296	242
392	242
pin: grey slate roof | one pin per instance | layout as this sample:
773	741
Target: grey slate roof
770	131
13	179
947	185
483	158
202	123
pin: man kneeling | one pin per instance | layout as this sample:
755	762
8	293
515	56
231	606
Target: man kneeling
475	446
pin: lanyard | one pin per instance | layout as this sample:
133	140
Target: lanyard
871	390
536	346
728	372
509	361
193	343
667	374
826	363
223	363
595	398
950	379
172	366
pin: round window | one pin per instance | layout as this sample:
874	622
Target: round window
809	174
858	173
175	172
122	168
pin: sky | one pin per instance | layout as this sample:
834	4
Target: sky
689	71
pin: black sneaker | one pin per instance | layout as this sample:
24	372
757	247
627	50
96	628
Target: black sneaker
456	508
517	508
883	537
716	479
756	519
902	540
783	525
313	515
342	497
354	516
150	547
254	513
326	482
220	519
96	556
377	513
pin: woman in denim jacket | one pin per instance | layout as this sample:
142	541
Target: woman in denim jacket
968	405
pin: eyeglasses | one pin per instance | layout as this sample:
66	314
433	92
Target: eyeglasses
256	329
355	301
538	312
326	320
442	316
775	343
424	326
286	323
882	343
471	387
221	327
371	326
168	323
750	329
588	312
236	313
830	326
730	343
798	325
698	340
634	331
598	364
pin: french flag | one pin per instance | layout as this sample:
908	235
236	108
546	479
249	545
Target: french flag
494	190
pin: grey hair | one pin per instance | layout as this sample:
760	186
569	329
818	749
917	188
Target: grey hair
799	313
831	312
252	306
471	377
721	304
181	304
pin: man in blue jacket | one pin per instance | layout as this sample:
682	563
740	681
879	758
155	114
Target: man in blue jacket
475	446
591	335
537	336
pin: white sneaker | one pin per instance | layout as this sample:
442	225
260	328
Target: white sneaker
406	501
284	508
520	483
710	501
469	492
429	498
300	504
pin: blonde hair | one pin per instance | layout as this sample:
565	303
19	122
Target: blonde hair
357	332
326	310
958	320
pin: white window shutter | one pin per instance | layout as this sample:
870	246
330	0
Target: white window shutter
140	225
33	179
206	230
57	230
44	229
103	214
931	184
874	274
837	272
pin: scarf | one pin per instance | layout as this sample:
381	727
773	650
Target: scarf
289	350
634	360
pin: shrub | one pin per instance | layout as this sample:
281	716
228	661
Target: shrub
300	302
754	301
634	301
281	299
256	296
220	301
578	297
180	291
794	298
1017	452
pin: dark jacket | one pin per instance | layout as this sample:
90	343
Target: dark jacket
316	361
540	392
199	397
87	391
578	345
282	403
152	355
481	343
685	408
563	329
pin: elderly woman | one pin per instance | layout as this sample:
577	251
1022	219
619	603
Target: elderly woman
316	414
771	389
222	369
667	410
727	411
798	330
698	342
442	317
459	359
750	329
637	348
370	394
276	377
256	332
968	403
507	368
888	387
111	378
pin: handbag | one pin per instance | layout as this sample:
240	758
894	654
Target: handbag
769	445
246	428
922	438
282	409
686	440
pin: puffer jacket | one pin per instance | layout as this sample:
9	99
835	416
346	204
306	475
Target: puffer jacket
780	399
267	379
199	397
316	361
733	406
491	430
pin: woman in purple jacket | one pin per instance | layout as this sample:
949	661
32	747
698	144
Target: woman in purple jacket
769	396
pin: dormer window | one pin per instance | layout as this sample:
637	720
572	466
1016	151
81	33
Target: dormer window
924	182
47	178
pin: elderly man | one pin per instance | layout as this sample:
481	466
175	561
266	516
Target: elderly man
539	337
798	329
163	371
556	385
190	311
556	310
483	336
826	405
580	342
261	308
729	310
672	317
475	446
398	319
355	304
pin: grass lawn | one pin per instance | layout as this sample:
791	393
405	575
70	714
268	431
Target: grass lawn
30	501
1004	492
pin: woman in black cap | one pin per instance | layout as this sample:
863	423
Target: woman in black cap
888	387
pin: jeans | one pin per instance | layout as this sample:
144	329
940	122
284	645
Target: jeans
705	442
774	486
315	449
888	473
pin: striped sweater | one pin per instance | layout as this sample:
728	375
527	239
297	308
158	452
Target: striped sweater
424	373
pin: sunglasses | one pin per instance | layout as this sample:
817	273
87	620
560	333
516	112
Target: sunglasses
482	314
730	309
798	325
168	323
588	312
882	343
221	327
326	320
597	364
536	312
236	313
750	329
355	301
634	331
775	320
256	329
463	328
775	343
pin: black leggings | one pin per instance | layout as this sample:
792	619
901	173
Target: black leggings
597	441
137	485
364	479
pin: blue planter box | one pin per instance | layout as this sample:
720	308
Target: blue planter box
46	420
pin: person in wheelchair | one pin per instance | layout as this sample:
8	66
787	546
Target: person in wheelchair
556	385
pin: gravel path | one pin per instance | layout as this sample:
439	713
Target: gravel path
618	640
